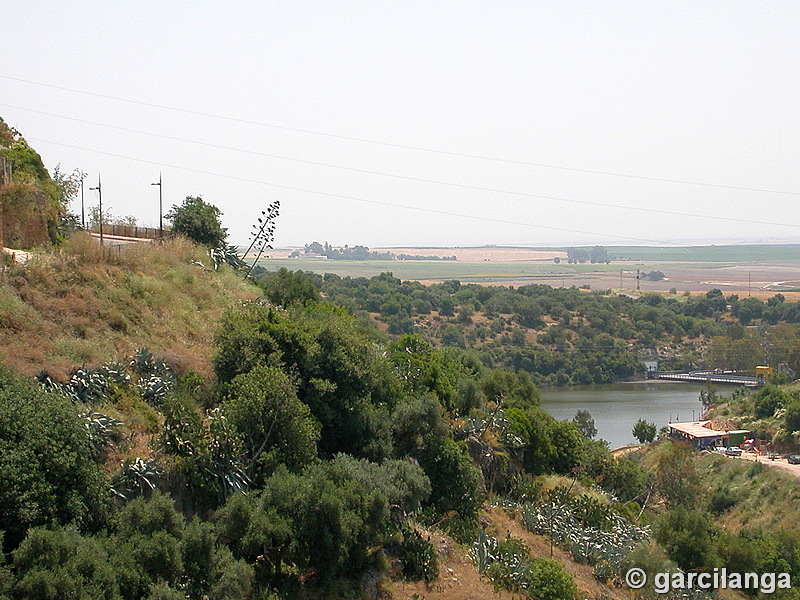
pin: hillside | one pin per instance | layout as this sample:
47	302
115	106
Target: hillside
80	305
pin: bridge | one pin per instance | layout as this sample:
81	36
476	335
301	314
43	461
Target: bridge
709	376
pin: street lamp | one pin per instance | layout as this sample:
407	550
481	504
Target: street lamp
83	213
99	189
160	210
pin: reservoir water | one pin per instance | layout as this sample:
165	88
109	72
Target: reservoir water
616	407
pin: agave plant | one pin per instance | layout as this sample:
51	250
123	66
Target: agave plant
483	551
608	546
47	382
226	255
115	372
136	478
154	388
101	430
145	364
87	385
226	467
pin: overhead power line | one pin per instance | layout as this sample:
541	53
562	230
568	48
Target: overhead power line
410	177
402	146
354	198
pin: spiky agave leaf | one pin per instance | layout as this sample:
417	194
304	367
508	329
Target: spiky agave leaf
86	385
101	430
115	372
154	388
136	478
226	255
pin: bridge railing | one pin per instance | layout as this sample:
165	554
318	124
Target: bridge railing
701	376
134	231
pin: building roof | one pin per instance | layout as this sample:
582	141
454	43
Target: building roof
696	429
702	429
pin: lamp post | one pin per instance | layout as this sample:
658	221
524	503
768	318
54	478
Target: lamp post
160	210
99	189
83	212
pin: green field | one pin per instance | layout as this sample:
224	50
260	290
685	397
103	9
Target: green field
628	258
781	252
432	270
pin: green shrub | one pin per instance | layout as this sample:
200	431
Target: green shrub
769	399
418	556
47	471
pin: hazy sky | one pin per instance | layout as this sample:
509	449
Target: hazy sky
569	96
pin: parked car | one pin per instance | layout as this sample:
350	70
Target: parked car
733	451
794	459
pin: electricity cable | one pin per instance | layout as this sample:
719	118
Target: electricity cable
412	178
356	198
402	146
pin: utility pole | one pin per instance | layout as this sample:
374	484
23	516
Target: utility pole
99	189
83	212
160	209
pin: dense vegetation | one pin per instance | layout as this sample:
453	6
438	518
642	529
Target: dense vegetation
316	445
344	442
565	335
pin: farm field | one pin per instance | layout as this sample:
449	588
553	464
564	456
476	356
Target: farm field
760	271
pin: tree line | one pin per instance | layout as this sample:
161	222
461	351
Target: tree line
564	336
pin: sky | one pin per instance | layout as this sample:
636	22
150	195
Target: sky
423	123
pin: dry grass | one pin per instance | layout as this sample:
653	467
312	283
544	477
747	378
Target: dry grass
85	304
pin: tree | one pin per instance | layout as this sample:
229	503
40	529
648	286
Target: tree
199	221
275	426
769	399
644	432
47	473
677	479
792	417
688	537
285	287
794	359
585	423
708	395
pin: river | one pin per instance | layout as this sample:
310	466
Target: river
616	407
